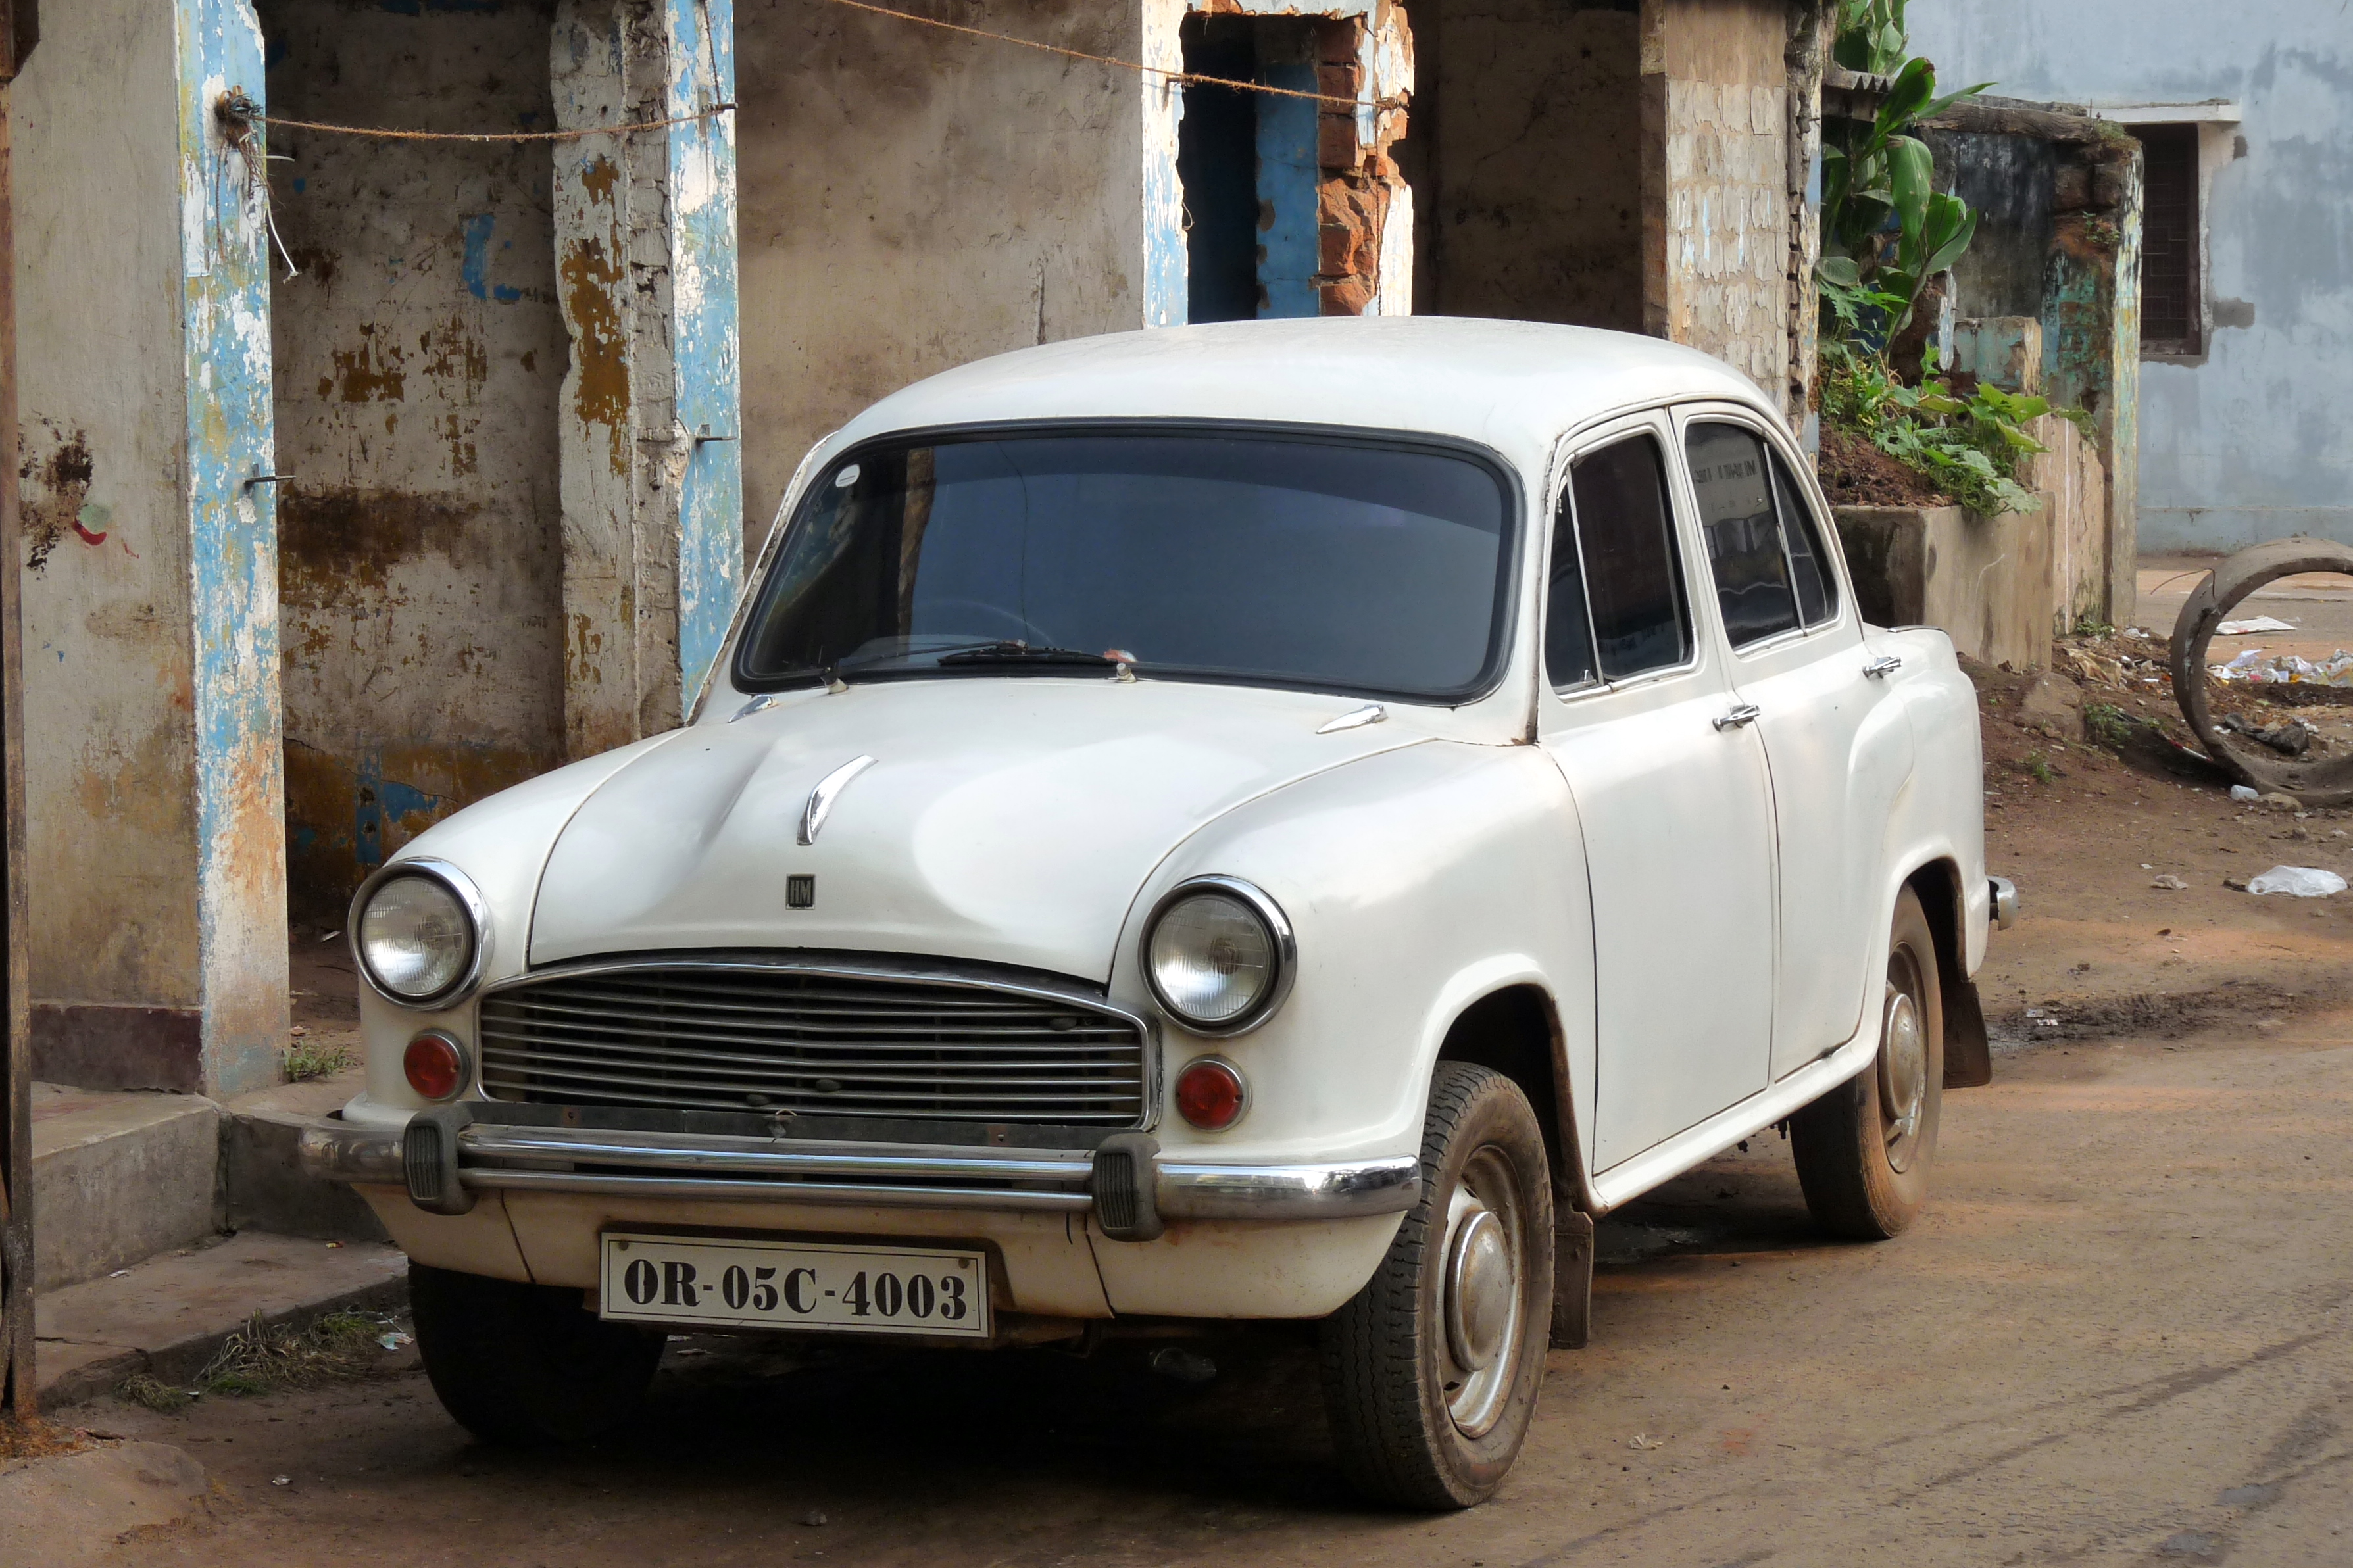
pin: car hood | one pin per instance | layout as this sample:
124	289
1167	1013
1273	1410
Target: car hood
1008	820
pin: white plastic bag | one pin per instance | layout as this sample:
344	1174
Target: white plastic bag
2240	792
2301	881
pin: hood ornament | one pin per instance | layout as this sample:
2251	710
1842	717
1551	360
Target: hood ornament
1370	714
821	799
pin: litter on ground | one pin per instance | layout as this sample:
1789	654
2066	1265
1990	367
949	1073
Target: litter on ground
2299	881
2251	668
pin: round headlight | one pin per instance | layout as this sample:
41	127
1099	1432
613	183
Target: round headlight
416	938
1218	955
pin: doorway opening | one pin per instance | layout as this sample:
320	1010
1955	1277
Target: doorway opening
1248	164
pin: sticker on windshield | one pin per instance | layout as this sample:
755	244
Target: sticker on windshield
847	477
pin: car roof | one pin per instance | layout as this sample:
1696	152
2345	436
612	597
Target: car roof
1516	387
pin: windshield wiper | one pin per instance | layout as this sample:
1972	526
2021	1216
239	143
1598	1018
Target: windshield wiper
1017	652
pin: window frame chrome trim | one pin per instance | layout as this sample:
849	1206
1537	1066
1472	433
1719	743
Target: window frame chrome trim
470	897
1656	420
880	967
1682	416
1286	956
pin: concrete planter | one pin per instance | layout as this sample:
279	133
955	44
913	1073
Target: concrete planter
1985	581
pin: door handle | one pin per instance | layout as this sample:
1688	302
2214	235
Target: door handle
1742	713
1880	669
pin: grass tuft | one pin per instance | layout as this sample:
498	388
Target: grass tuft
259	1358
307	1059
140	1388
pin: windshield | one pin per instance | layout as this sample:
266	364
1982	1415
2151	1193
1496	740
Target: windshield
1277	558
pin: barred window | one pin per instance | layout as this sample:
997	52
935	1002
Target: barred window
2172	318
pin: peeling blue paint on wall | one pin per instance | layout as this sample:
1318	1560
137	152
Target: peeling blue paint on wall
232	555
1289	249
384	804
707	344
476	266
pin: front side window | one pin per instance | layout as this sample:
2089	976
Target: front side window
1615	601
1265	558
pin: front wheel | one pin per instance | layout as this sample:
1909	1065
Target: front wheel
1430	1372
526	1365
1863	1150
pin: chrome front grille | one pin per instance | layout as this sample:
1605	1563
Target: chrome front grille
920	1046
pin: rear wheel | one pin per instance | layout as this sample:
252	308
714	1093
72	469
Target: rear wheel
524	1364
1431	1373
1864	1149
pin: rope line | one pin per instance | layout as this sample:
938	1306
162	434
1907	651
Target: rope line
390	135
1189	78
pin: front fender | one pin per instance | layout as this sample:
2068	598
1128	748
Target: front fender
503	843
1418	881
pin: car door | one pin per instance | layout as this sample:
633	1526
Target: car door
1669	784
1836	746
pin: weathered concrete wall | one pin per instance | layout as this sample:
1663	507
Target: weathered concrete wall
648	418
110	747
2068	479
2012	181
2250	443
158	930
913	200
1525	152
420	351
1985	581
1716	209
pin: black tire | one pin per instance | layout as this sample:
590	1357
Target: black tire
525	1365
1864	1173
1393	1384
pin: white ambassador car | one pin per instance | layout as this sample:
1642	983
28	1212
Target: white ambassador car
1287	820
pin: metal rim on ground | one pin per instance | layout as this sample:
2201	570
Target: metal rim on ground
2326	781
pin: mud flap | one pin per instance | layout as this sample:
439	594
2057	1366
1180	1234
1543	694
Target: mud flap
1572	1280
1969	1054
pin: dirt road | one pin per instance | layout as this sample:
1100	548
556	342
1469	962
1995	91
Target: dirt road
2119	1335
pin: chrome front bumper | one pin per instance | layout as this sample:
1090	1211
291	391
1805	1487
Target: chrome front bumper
445	1156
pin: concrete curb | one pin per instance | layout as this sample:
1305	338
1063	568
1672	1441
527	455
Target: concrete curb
170	1316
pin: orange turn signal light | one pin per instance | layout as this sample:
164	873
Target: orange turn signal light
1212	1094
435	1065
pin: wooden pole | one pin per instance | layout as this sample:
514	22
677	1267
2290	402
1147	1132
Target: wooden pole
18	30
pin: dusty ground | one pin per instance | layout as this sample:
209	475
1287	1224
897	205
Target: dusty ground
2118	1336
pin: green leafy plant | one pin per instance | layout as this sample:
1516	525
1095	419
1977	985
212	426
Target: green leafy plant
1871	36
1968	447
1885	226
2038	767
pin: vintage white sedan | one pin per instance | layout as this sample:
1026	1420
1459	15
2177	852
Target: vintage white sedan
1285	820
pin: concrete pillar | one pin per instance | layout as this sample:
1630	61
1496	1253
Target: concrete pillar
154	776
1716	206
650	421
2091	340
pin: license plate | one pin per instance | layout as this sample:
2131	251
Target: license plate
795	1285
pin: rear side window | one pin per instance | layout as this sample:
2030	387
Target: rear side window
1615	542
1742	529
1810	562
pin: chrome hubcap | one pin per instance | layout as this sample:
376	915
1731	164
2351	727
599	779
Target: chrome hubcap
1902	1074
1479	1292
1480	1286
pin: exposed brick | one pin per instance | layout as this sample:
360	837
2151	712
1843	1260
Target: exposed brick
1337	244
1335	41
1339	81
1335	141
1348	297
